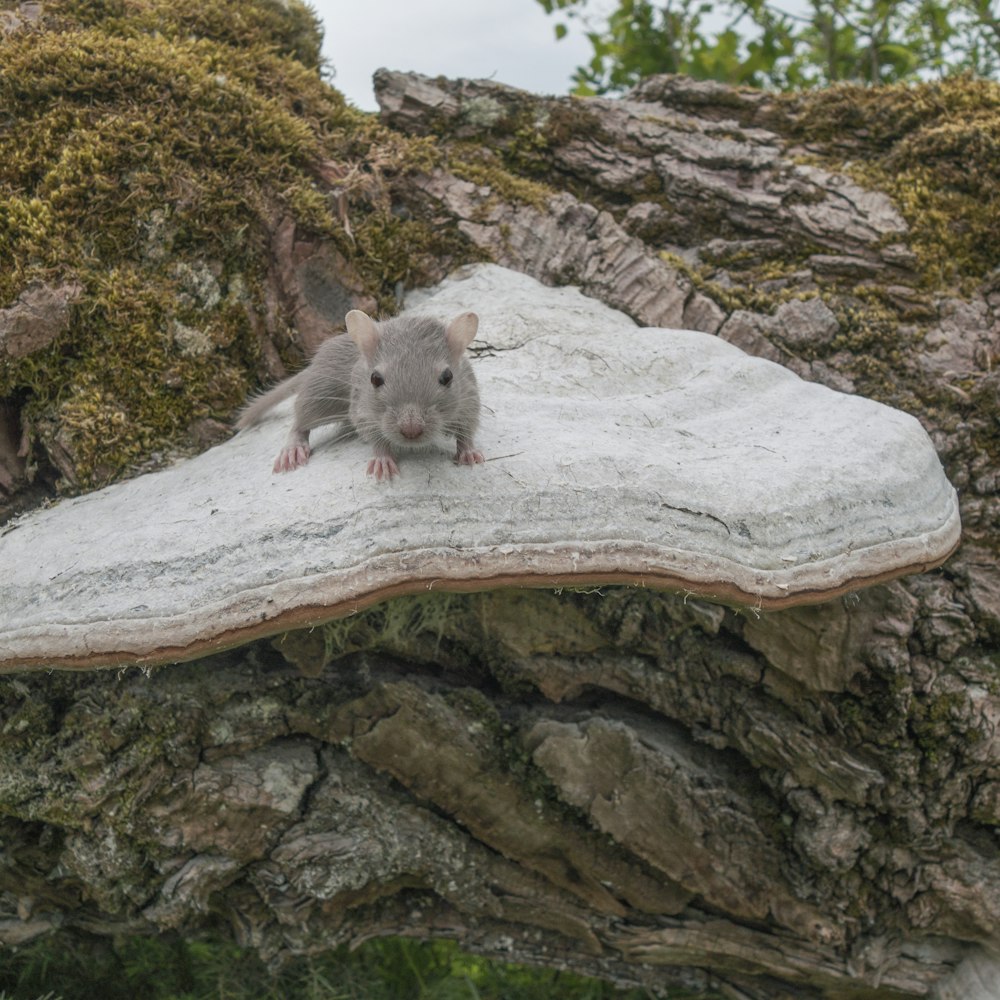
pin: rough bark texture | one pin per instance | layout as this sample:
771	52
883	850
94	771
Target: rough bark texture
601	780
796	804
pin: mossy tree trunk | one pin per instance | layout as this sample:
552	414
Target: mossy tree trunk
643	786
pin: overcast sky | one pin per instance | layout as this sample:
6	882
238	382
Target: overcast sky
507	40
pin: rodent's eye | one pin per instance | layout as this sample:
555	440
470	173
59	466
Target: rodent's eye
377	379
445	377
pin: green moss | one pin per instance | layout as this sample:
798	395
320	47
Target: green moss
390	249
540	125
289	29
935	723
876	351
934	148
146	149
471	164
748	294
396	624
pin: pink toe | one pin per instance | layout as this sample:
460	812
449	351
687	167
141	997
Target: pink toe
383	467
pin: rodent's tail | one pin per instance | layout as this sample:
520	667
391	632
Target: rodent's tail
259	405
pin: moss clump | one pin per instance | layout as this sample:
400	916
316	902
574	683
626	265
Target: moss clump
404	625
146	150
121	154
288	29
764	284
477	165
934	148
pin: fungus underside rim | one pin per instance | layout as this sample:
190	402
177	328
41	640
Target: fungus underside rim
318	613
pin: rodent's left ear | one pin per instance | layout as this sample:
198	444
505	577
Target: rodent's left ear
362	330
460	333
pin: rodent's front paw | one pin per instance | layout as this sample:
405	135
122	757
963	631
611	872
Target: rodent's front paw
383	467
469	456
291	457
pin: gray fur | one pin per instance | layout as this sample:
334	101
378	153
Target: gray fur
254	410
411	355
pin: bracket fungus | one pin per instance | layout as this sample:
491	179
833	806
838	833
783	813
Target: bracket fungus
615	454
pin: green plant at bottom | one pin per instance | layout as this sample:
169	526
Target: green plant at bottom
65	967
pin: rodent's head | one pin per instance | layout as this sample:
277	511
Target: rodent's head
412	377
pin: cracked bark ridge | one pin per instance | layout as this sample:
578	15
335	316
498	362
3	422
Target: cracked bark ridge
688	179
633	792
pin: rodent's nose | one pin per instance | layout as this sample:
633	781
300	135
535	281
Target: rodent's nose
411	429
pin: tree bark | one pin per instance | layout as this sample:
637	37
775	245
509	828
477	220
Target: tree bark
641	786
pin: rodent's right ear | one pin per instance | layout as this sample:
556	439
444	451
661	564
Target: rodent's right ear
461	332
362	330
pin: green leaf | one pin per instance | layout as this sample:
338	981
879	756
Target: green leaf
760	43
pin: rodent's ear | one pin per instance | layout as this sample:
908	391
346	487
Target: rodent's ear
460	333
362	330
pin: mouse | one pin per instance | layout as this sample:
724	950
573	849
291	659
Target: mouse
399	383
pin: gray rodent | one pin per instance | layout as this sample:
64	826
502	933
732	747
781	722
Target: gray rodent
398	383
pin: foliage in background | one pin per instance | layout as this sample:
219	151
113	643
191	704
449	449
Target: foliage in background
788	44
71	968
